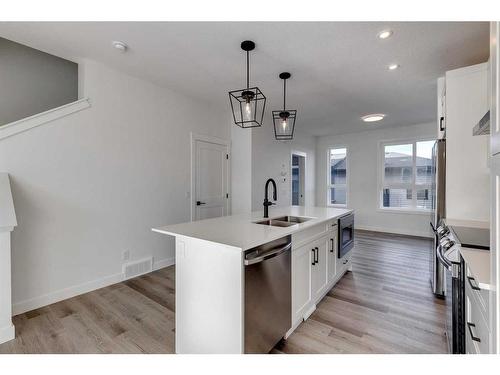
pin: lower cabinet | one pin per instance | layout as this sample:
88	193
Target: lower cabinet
332	255
477	331
301	282
319	273
315	269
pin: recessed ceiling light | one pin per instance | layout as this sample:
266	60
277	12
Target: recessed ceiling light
385	34
393	66
119	46
373	117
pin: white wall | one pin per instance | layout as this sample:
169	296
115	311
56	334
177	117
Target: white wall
241	169
91	185
272	158
33	81
363	151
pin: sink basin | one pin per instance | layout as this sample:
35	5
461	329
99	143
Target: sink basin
275	223
284	221
293	219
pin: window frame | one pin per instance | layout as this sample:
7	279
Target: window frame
413	209
328	175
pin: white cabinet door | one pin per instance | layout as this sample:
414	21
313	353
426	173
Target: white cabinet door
302	259
494	88
319	268
332	255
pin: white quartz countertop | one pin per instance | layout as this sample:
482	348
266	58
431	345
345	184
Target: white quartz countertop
467	223
240	230
479	265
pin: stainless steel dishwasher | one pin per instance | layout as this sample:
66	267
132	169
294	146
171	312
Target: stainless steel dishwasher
268	294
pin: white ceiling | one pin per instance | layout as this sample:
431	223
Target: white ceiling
338	68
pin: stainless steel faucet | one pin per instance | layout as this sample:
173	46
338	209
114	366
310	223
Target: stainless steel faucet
266	200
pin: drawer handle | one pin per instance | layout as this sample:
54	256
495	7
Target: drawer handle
470	325
331	242
473	286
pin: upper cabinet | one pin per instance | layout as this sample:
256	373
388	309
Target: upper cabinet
467	167
493	89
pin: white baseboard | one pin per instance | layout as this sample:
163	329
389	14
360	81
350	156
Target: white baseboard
73	291
162	263
7	333
62	294
395	231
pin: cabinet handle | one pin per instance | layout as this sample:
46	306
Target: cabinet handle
331	242
317	254
314	257
441	124
475	287
470	325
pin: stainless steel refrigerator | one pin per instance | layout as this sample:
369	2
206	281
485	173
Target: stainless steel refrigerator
438	194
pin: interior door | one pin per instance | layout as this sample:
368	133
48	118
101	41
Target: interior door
211	180
298	180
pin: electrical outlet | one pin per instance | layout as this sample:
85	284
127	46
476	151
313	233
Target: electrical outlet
126	255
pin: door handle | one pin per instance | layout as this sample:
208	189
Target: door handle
271	254
475	287
470	325
331	242
198	203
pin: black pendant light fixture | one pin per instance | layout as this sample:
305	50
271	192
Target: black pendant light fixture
248	104
284	120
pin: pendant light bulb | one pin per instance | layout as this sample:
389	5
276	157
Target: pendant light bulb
284	124
248	111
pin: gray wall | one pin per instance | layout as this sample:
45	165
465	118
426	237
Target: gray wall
32	81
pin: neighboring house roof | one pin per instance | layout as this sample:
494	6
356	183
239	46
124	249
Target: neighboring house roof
393	159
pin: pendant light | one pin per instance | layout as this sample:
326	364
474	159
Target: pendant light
284	120
248	104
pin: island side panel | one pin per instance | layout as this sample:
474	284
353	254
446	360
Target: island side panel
209	297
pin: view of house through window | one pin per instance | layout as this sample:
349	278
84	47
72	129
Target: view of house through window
407	175
337	177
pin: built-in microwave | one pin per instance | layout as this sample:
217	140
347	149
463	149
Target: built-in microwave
346	234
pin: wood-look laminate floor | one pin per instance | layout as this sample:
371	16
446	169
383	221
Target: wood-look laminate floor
384	306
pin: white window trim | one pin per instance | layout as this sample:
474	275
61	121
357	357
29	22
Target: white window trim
380	176
328	185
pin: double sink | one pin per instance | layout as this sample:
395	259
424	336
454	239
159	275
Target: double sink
284	221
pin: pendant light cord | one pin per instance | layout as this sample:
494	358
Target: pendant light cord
248	70
284	95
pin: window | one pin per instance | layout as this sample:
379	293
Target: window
407	176
337	177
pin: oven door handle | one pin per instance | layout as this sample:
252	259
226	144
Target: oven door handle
433	228
442	259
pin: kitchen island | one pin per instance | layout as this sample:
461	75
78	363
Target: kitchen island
210	271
